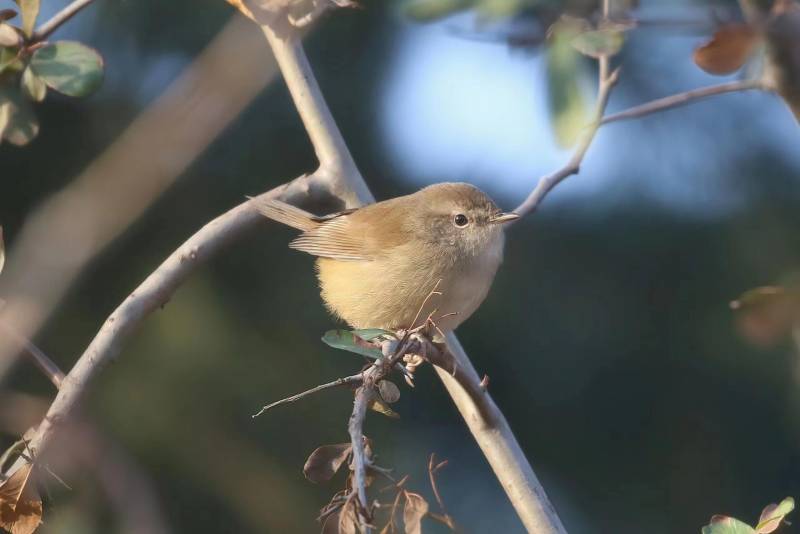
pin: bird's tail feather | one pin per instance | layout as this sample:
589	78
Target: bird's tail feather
287	214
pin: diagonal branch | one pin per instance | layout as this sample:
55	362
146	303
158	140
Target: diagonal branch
682	99
492	433
72	9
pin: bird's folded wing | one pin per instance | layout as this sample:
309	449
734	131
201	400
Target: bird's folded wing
336	239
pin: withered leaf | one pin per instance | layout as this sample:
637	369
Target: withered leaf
348	518
773	515
415	509
389	391
325	462
766	315
381	407
728	49
7	14
20	503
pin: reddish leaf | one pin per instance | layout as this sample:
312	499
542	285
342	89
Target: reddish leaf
766	315
325	461
20	504
773	515
727	50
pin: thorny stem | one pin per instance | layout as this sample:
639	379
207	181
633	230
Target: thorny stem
44	31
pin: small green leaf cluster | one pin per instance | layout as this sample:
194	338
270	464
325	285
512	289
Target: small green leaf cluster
568	40
29	67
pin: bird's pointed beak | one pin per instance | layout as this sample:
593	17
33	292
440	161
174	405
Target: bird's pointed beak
502	218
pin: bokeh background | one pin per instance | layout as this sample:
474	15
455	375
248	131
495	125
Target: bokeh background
608	335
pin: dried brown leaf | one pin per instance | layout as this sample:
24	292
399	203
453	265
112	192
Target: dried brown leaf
7	14
388	391
728	49
415	509
348	518
20	504
381	407
325	462
766	315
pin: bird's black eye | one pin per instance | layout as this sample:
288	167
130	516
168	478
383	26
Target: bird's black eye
460	220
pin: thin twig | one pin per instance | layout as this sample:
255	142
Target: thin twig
433	469
606	82
42	361
682	99
348	380
44	31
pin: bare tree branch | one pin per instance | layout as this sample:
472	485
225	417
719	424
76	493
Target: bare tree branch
44	31
682	99
151	294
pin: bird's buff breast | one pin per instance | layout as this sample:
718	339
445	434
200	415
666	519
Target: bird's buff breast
388	292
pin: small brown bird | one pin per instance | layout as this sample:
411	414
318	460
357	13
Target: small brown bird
378	264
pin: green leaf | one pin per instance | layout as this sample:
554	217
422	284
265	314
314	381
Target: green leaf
425	10
32	86
721	524
773	515
30	11
368	334
9	36
498	9
2	250
597	43
346	340
8	58
22	126
568	108
68	67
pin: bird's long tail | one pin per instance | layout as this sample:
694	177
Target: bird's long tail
287	214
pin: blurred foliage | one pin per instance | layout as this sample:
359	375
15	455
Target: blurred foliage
29	66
